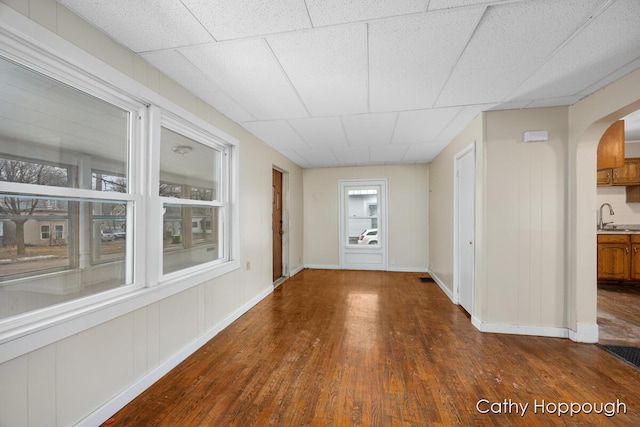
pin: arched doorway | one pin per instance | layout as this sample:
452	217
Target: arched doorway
589	119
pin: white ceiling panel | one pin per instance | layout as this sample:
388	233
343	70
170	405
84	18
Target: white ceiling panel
352	156
449	4
609	42
277	134
503	44
462	120
411	58
324	132
318	157
356	82
250	74
633	65
327	61
177	67
369	129
295	158
232	19
142	26
388	153
422	125
423	153
332	12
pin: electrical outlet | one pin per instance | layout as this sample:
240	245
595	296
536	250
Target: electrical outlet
248	265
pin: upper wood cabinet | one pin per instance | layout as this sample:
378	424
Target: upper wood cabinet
611	147
628	174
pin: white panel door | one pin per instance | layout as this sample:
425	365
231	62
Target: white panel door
363	230
465	227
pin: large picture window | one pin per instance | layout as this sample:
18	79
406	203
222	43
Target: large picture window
106	188
58	216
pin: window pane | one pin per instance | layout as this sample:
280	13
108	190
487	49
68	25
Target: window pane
362	210
54	135
52	250
188	169
197	243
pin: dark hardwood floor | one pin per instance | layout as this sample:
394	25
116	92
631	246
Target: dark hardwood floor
619	313
354	348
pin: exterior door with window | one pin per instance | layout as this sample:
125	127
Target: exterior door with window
363	231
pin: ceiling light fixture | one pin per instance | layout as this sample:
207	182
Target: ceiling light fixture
181	149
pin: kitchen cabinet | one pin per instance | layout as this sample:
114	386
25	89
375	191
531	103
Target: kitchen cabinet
611	147
629	174
619	257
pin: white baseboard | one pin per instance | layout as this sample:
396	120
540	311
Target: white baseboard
440	283
540	331
409	269
296	271
108	409
585	332
323	266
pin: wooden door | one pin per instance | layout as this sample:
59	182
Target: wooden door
277	225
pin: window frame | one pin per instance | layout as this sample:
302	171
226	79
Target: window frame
27	43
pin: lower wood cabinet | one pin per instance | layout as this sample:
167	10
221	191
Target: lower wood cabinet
618	256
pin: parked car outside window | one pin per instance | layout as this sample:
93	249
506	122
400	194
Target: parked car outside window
368	237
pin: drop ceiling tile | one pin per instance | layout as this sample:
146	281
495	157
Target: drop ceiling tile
501	54
324	132
142	26
318	158
424	153
554	102
277	133
619	73
388	153
328	68
462	120
369	129
232	19
422	125
352	156
614	35
177	67
449	4
295	158
410	58
332	12
250	75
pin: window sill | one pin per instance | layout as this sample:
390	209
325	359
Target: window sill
29	336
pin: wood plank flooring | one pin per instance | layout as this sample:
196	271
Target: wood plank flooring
355	348
619	313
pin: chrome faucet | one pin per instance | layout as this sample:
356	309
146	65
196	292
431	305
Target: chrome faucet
601	223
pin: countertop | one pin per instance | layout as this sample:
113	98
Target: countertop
620	229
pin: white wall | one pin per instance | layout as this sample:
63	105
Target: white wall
72	377
525	219
520	220
407	214
441	193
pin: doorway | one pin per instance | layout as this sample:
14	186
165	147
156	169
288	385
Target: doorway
363	224
464	229
277	223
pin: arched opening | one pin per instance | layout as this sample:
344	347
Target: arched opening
590	119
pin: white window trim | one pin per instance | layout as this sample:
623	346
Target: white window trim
27	43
